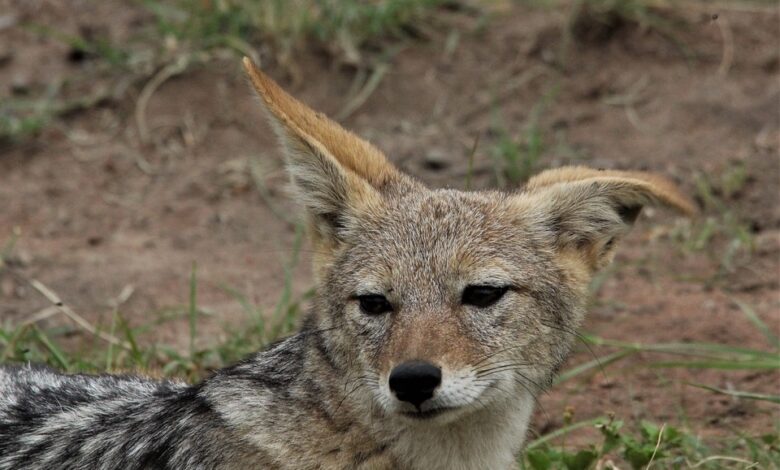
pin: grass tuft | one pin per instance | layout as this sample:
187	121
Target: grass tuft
517	159
340	26
194	32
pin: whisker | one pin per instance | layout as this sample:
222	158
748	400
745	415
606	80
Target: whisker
504	365
583	340
356	388
495	353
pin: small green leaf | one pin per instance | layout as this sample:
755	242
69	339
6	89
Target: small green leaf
611	433
649	431
770	439
539	459
638	455
582	460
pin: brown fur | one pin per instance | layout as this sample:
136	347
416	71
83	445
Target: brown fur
353	153
377	230
322	398
661	188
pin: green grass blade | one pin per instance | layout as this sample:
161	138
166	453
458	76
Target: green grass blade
282	312
703	349
110	350
756	320
720	364
11	339
135	351
739	394
8	247
592	364
193	309
562	432
55	351
253	312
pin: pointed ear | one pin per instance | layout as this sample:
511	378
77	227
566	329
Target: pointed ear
588	211
294	120
337	174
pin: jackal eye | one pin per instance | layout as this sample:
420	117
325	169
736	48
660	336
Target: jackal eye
482	296
374	304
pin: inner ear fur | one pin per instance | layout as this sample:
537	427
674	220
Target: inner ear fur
656	188
336	175
587	211
295	120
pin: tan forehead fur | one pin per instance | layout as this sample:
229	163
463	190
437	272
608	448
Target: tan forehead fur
663	189
352	153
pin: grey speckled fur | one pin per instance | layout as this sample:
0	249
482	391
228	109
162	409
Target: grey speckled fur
52	420
320	399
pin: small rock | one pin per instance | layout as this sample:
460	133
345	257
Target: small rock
606	383
436	160
20	84
7	287
768	138
767	242
20	259
6	57
8	21
20	292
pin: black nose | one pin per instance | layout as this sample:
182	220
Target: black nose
414	381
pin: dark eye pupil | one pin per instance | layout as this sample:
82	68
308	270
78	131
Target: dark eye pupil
482	296
374	304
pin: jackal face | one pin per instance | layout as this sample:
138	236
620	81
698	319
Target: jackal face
442	302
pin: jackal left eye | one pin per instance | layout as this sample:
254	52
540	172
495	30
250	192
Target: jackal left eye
374	304
482	296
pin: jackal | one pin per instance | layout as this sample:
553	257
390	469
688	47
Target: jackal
439	316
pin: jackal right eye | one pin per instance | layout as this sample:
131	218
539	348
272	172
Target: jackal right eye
374	304
482	296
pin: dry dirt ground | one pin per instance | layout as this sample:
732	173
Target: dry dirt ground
101	205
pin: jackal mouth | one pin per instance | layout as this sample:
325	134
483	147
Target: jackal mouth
427	414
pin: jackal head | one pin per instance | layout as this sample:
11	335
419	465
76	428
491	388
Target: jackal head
442	302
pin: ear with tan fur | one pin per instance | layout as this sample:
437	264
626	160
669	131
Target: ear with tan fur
336	173
588	210
297	121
